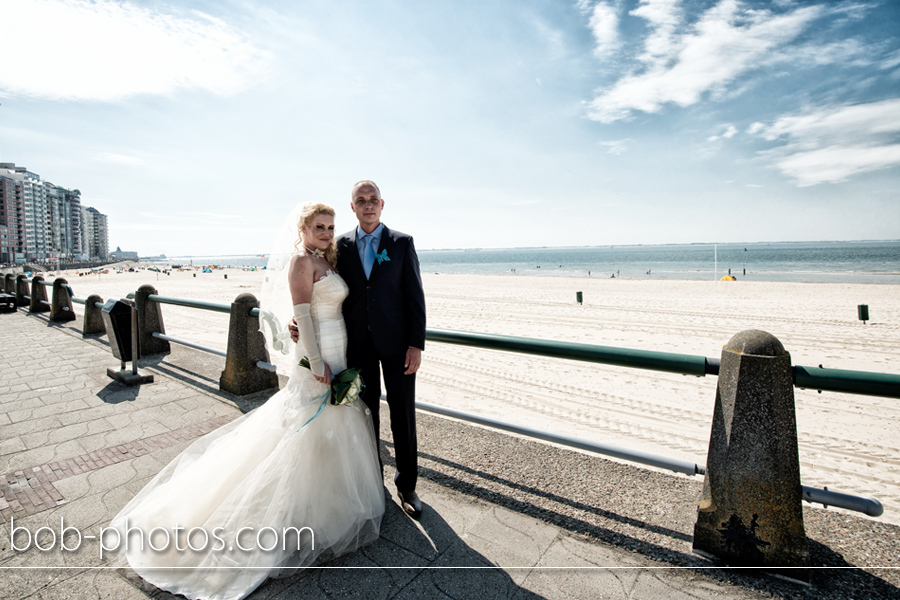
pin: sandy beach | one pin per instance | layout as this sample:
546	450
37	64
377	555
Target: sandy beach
847	442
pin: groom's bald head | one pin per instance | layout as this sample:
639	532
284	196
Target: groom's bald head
363	183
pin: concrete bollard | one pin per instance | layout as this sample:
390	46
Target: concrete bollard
21	292
61	308
38	302
93	317
750	511
246	346
9	283
149	321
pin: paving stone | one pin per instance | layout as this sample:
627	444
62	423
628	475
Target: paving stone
63	434
11	445
31	426
93	585
22	404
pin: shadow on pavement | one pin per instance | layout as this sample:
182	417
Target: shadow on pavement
411	560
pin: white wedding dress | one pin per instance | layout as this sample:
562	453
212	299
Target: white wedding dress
291	464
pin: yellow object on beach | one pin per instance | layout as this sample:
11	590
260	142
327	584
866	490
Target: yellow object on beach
728	278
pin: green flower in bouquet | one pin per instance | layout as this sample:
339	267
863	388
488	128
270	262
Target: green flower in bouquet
346	386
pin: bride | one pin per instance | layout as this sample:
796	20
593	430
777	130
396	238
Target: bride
295	481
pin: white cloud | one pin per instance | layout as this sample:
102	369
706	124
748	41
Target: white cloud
616	146
831	145
554	38
891	60
604	24
103	50
727	41
121	159
663	18
729	133
849	52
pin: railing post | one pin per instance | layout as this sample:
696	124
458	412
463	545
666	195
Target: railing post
149	321
93	318
38	296
246	346
750	511
21	290
61	308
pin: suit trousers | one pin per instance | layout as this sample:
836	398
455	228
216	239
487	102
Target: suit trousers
401	401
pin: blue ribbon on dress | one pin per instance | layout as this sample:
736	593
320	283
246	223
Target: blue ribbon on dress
322	400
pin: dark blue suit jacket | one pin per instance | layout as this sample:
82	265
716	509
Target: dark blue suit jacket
390	304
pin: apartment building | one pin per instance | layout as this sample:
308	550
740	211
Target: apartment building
42	222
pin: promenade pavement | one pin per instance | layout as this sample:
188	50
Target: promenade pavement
76	446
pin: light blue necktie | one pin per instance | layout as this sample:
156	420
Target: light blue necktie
368	254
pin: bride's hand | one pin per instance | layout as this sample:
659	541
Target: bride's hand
326	377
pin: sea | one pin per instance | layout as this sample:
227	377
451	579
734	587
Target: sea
823	262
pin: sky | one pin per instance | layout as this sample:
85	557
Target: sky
197	126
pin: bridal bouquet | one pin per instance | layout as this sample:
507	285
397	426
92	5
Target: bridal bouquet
346	386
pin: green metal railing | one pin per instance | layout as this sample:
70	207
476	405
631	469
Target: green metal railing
837	380
817	378
851	382
832	380
639	359
211	306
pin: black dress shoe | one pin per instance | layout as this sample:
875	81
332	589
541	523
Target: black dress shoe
410	503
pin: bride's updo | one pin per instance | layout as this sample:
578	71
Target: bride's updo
309	212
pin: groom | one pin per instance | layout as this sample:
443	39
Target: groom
385	316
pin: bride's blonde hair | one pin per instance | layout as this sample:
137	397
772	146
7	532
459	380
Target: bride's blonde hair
309	212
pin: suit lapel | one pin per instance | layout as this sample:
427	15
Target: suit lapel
352	248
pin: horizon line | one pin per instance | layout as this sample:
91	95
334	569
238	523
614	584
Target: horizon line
265	254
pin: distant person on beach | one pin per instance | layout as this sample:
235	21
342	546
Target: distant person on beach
385	315
299	472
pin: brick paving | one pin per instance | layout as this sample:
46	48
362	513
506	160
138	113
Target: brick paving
31	490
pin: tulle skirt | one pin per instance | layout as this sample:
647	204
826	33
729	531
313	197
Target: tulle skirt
295	481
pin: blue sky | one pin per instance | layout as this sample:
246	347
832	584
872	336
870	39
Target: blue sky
196	126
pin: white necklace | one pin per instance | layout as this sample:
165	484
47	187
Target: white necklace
317	253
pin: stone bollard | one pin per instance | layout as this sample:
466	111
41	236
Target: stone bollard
93	317
149	321
246	346
21	292
61	308
10	284
750	511
38	302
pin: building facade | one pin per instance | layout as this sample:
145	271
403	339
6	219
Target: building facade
94	234
12	220
44	223
119	254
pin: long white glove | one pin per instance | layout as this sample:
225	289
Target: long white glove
308	338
